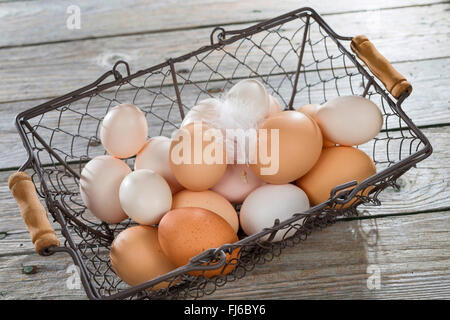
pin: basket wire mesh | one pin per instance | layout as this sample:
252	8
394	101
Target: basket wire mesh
298	58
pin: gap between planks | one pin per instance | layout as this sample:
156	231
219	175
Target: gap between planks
165	17
423	33
410	252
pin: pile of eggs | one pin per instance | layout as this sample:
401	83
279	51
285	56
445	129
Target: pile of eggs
183	209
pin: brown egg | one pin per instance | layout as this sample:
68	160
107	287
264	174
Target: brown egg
336	165
197	162
136	256
186	232
298	148
209	200
310	110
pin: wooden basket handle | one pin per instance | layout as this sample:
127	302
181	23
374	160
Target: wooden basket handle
33	212
394	82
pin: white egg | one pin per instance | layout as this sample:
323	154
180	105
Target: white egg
349	120
99	187
145	196
123	131
270	202
155	156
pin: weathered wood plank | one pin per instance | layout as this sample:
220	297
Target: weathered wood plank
49	23
49	281
424	188
411	254
429	78
23	68
334	263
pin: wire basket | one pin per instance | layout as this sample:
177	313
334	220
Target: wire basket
298	58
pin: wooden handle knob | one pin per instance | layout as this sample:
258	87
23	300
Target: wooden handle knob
394	82
33	212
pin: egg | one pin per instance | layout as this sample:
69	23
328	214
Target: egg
269	202
186	232
274	106
237	182
155	156
310	110
349	120
209	200
336	165
100	182
145	196
136	256
197	161
296	146
123	131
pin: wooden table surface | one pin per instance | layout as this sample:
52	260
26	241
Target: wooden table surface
406	240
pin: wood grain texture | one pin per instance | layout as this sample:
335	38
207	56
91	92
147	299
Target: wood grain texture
42	59
67	66
409	251
333	263
48	23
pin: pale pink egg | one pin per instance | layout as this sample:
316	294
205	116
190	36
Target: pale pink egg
155	156
99	187
123	131
238	181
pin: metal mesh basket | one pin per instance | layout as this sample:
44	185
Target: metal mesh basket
297	57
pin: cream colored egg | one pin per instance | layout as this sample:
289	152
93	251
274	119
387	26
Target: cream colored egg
145	196
155	156
99	187
349	120
269	202
123	131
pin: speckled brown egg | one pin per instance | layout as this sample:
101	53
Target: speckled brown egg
186	232
209	200
136	256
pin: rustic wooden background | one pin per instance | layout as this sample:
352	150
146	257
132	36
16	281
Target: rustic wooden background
407	239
